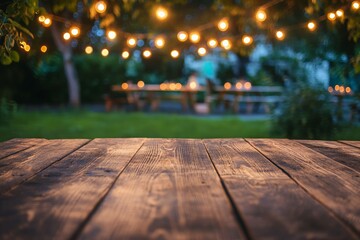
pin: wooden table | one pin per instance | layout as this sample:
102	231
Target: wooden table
179	189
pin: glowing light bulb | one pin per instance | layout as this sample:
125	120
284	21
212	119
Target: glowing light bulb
226	44
202	51
174	53
247	85
125	54
280	35
311	26
147	53
89	50
193	85
27	48
355	5
178	86
331	16
330	89
159	42
227	85
140	84
337	87
339	13
223	25
104	52
347	89
131	42
247	40
161	13
238	85
100	6
260	15
125	86
182	36
43	48
75	31
47	22
212	43
111	35
41	18
66	36
194	37
342	89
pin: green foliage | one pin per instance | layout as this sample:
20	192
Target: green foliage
305	114
7	110
225	73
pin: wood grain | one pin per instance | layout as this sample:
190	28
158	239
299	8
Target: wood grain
342	153
170	190
54	203
352	143
16	145
18	167
333	184
272	205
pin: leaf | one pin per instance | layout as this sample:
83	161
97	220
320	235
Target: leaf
14	55
5	59
18	25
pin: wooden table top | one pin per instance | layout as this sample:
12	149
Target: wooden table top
179	189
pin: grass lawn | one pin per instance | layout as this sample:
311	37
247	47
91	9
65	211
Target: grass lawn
85	124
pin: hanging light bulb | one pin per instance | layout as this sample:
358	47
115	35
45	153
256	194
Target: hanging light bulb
355	5
174	53
140	84
311	26
226	44
280	35
195	37
159	42
75	31
261	15
223	25
104	52
27	48
100	6
47	22
43	48
161	13
212	43
202	51
131	42
66	36
331	16
41	19
111	35
247	40
88	50
147	53
339	13
182	36
125	54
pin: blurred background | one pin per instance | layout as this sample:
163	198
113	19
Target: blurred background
189	69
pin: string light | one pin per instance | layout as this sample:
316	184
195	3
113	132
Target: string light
111	34
43	48
194	37
161	13
311	26
355	5
131	42
247	85
202	51
147	53
247	40
125	86
125	54
280	35
75	31
223	25
331	16
212	43
159	42
100	7
178	86
260	15
172	86
337	87
238	85
174	53
88	49
27	48
66	36
340	13
227	85
182	36
104	52
140	84
41	19
226	44
330	89
47	22
347	89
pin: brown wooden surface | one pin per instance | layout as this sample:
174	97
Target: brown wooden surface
352	143
179	189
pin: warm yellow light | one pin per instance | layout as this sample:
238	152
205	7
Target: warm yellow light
212	43
260	15
66	36
131	42
125	86
330	89
111	35
161	13
178	86
337	87
226	44
331	16
182	36
100	6
311	26
27	48
355	5
163	86
88	50
147	53
223	25
140	84
47	22
172	86
174	53
202	51
247	85
104	52
247	40
41	18
340	13
43	48
22	44
125	54
194	37
193	85
238	85
342	89
280	35
159	42
75	31
227	85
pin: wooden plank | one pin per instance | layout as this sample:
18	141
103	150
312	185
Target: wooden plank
18	167
170	190
53	204
352	143
342	153
16	145
331	183
272	205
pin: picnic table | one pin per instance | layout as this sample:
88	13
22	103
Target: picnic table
179	189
